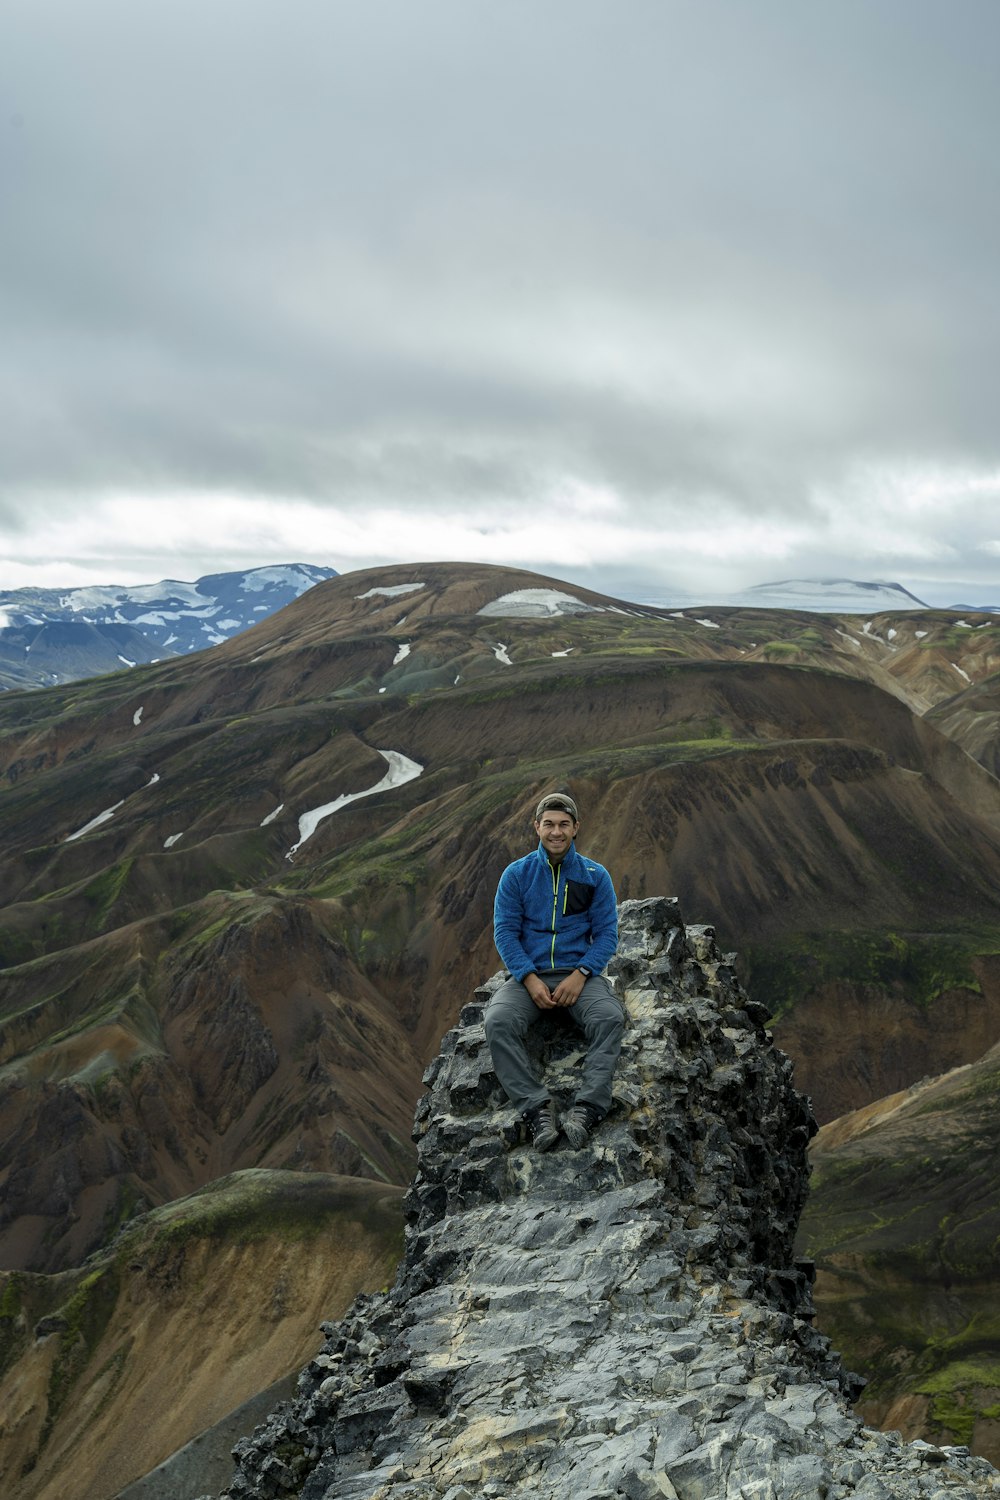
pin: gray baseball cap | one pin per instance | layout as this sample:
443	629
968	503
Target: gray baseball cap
559	800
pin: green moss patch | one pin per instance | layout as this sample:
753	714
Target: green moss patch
916	965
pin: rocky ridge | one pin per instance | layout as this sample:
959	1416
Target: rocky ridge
622	1320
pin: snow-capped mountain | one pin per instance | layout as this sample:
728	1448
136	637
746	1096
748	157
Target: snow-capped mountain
833	596
57	635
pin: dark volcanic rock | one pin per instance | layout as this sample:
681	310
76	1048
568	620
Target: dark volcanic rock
622	1320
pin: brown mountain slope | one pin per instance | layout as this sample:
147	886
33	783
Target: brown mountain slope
903	1220
105	1372
972	719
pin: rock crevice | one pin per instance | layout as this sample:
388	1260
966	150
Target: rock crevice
626	1319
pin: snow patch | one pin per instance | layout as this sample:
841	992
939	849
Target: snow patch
677	615
228	624
855	643
160	616
266	578
4	619
963	625
538	602
920	634
137	716
958	669
891	634
125	660
272	815
391	590
153	779
402	653
401	769
563	653
500	652
169	843
711	624
107	596
102	817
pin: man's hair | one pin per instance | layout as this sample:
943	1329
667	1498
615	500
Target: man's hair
557	800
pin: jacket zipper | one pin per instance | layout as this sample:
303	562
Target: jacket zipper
555	907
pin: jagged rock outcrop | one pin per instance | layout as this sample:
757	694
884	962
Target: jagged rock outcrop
621	1320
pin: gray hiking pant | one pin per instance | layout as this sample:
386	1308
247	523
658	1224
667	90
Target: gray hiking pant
599	1014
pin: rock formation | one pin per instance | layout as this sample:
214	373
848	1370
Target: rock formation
623	1320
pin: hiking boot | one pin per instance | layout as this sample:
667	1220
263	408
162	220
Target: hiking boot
579	1122
543	1125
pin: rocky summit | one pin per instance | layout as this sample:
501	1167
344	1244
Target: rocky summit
622	1320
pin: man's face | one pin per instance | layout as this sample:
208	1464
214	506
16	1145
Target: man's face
556	830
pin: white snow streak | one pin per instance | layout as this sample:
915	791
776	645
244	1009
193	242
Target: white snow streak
538	602
102	817
401	769
958	669
500	652
391	591
920	634
272	815
563	653
171	841
125	660
137	716
402	653
711	624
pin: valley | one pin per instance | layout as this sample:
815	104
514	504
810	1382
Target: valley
193	992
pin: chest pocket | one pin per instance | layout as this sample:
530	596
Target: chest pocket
579	897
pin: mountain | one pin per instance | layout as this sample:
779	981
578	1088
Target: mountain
903	1220
244	892
50	636
842	596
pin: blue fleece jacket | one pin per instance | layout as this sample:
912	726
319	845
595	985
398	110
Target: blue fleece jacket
555	916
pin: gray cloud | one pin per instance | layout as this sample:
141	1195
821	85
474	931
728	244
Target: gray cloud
719	260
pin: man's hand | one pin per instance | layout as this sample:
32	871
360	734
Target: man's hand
567	991
540	992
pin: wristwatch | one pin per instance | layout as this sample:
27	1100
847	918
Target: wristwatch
587	973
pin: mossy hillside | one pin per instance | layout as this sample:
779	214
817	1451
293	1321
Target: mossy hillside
26	1298
240	1210
910	1340
918	966
50	1001
138	887
254	1204
903	1221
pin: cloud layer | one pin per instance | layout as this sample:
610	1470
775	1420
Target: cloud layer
700	293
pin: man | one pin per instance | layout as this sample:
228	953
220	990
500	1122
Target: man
555	924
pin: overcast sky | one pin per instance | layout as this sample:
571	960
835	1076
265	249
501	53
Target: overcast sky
640	292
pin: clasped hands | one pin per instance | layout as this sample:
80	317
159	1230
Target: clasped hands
566	992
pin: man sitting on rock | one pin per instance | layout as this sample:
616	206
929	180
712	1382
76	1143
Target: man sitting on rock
555	924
